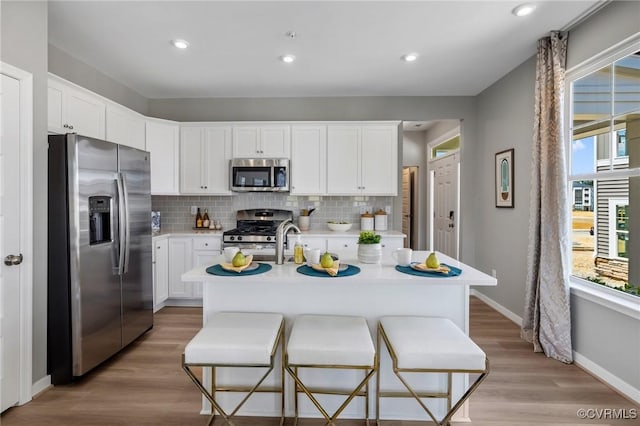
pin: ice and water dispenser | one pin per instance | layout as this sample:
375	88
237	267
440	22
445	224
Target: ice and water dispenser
99	220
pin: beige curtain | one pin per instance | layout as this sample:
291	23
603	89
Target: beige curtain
547	316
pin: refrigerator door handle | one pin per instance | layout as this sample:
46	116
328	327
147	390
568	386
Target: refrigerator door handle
127	229
121	224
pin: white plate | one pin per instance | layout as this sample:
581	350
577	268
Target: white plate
319	268
441	269
251	267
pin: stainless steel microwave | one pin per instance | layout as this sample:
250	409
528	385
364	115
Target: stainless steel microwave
259	174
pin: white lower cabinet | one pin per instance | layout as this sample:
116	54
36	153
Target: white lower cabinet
205	252
342	244
160	255
180	261
347	244
172	257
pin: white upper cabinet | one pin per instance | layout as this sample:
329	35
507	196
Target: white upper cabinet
261	141
72	110
163	142
308	160
343	160
125	127
204	160
379	160
362	160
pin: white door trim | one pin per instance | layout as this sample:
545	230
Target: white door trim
26	226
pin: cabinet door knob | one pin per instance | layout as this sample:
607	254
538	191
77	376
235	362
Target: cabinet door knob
206	244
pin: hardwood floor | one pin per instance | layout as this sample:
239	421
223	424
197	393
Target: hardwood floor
145	385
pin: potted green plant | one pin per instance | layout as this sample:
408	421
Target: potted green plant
369	247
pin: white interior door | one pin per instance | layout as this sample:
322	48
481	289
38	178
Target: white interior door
9	241
445	205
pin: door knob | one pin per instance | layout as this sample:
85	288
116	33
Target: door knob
13	259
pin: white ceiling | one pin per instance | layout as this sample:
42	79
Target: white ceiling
343	48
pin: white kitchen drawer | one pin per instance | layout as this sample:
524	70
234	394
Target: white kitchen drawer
207	243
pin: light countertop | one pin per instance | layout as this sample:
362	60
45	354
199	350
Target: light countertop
382	273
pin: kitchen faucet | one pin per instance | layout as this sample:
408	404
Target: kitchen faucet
281	233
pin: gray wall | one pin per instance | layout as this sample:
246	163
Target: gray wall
24	45
415	154
66	66
415	108
610	26
505	120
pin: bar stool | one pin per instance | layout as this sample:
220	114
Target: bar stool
429	345
328	341
236	339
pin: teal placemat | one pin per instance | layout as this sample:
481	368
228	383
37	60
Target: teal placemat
217	270
453	272
308	270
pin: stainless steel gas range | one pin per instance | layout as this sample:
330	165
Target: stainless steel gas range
255	232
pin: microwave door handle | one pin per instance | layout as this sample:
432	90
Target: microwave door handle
121	224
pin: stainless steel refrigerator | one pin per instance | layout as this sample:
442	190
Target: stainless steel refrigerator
99	252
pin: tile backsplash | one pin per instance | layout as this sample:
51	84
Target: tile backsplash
176	215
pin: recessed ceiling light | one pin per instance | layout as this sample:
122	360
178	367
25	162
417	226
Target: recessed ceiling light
287	58
524	9
410	57
180	44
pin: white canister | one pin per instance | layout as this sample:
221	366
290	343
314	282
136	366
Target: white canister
381	221
366	222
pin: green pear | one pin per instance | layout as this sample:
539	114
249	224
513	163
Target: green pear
326	261
239	259
432	261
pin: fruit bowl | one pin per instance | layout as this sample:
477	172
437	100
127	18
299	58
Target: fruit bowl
339	226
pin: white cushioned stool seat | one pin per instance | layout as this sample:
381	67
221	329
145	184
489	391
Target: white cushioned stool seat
431	343
235	338
330	340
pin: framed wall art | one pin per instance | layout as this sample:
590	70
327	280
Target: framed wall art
504	179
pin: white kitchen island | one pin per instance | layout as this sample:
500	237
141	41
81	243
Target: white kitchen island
378	290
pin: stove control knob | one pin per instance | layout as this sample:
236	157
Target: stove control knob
268	238
239	238
232	238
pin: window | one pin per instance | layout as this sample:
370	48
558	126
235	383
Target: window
446	147
604	165
619	226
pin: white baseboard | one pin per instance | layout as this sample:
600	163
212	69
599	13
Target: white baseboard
583	362
498	307
614	381
41	385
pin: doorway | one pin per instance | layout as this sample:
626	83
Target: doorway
410	206
444	188
16	222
